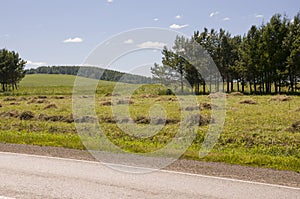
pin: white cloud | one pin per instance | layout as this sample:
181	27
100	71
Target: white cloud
213	14
176	26
258	16
155	19
73	40
31	64
177	17
110	1
226	19
152	44
128	41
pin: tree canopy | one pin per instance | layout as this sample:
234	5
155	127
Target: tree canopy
265	60
11	69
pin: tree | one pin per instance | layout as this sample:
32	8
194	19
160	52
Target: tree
292	43
11	69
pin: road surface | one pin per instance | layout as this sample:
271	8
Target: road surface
29	176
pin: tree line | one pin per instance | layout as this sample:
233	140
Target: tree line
11	69
92	72
265	60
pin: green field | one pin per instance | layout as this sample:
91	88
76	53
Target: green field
258	134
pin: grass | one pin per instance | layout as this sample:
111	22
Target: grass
254	134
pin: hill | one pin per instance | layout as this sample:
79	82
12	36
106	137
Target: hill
92	72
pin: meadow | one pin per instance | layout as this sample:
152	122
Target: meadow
258	131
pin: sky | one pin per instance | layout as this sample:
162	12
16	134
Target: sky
66	32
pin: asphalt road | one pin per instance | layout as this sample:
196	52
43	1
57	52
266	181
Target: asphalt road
28	176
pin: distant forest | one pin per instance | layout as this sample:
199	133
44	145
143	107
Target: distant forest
92	72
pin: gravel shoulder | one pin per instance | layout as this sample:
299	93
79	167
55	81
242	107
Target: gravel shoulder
265	175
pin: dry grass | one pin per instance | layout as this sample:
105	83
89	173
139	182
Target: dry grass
216	95
38	101
42	97
125	101
295	127
10	114
236	94
52	105
247	101
192	108
56	118
9	99
149	96
58	97
106	103
281	98
26	115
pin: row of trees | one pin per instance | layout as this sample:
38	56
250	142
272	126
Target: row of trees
266	59
11	69
92	72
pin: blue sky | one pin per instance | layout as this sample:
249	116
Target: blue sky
64	32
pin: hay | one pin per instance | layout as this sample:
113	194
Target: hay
106	103
42	97
58	97
247	101
125	101
216	95
26	115
110	94
142	120
50	106
56	118
200	120
295	127
236	94
9	99
0	105
22	99
38	101
86	119
10	114
149	96
206	105
14	103
170	99
280	98
108	120
192	108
